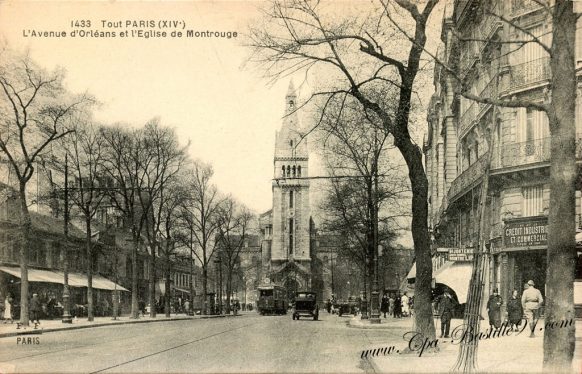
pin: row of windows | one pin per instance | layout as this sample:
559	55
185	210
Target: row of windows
181	280
291	171
532	204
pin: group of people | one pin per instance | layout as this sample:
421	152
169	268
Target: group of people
396	305
528	304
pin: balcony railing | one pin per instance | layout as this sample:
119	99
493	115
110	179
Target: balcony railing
468	177
523	153
468	117
523	6
530	72
488	92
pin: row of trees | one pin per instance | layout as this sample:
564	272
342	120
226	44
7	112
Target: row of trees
166	200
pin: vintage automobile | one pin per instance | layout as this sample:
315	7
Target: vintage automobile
305	305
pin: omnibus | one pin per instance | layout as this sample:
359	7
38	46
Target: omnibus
272	299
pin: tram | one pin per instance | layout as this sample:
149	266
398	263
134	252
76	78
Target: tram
272	300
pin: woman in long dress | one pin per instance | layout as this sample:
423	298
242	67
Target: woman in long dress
7	310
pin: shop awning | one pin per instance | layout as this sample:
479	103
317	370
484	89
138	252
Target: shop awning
35	275
457	276
412	272
75	279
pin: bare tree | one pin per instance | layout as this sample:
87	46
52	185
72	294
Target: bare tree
85	149
298	35
166	159
123	163
37	111
356	146
233	231
200	217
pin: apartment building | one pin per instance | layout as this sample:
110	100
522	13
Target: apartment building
462	133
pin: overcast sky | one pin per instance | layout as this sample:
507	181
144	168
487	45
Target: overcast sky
199	86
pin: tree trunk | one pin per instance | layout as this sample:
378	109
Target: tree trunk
204	289
134	284
423	317
89	253
152	281
228	289
168	297
25	234
561	254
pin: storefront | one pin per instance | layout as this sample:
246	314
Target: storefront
520	257
48	284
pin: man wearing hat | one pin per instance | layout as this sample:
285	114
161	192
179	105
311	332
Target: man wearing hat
447	305
531	300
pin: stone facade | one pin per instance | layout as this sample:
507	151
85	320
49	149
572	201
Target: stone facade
457	145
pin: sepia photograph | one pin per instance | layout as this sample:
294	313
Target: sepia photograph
291	186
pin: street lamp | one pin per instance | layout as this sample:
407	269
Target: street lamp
375	314
66	295
218	263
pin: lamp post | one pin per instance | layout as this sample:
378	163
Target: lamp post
218	263
66	295
375	314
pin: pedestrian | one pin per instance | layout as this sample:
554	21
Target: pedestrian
446	305
8	310
531	300
398	306
405	309
494	309
514	310
187	306
35	309
411	305
142	307
384	305
391	305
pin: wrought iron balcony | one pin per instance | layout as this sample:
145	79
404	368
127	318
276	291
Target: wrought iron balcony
523	6
468	117
530	72
523	153
468	178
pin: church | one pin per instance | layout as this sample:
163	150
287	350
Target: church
284	251
288	250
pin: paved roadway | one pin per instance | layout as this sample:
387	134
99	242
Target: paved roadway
249	343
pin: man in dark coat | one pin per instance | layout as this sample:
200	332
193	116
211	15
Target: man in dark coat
384	305
494	309
446	305
398	306
35	309
514	310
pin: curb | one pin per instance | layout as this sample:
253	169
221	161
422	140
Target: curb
78	327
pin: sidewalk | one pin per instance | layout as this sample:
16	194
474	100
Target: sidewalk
82	323
515	353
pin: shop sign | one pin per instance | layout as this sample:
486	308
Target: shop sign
460	254
526	233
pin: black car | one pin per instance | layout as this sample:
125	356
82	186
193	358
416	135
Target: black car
306	305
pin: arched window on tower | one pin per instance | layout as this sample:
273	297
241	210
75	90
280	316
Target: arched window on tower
283	171
294	175
299	171
288	171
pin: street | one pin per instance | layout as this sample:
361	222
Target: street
250	343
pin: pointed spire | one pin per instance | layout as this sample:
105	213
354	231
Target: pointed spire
291	89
